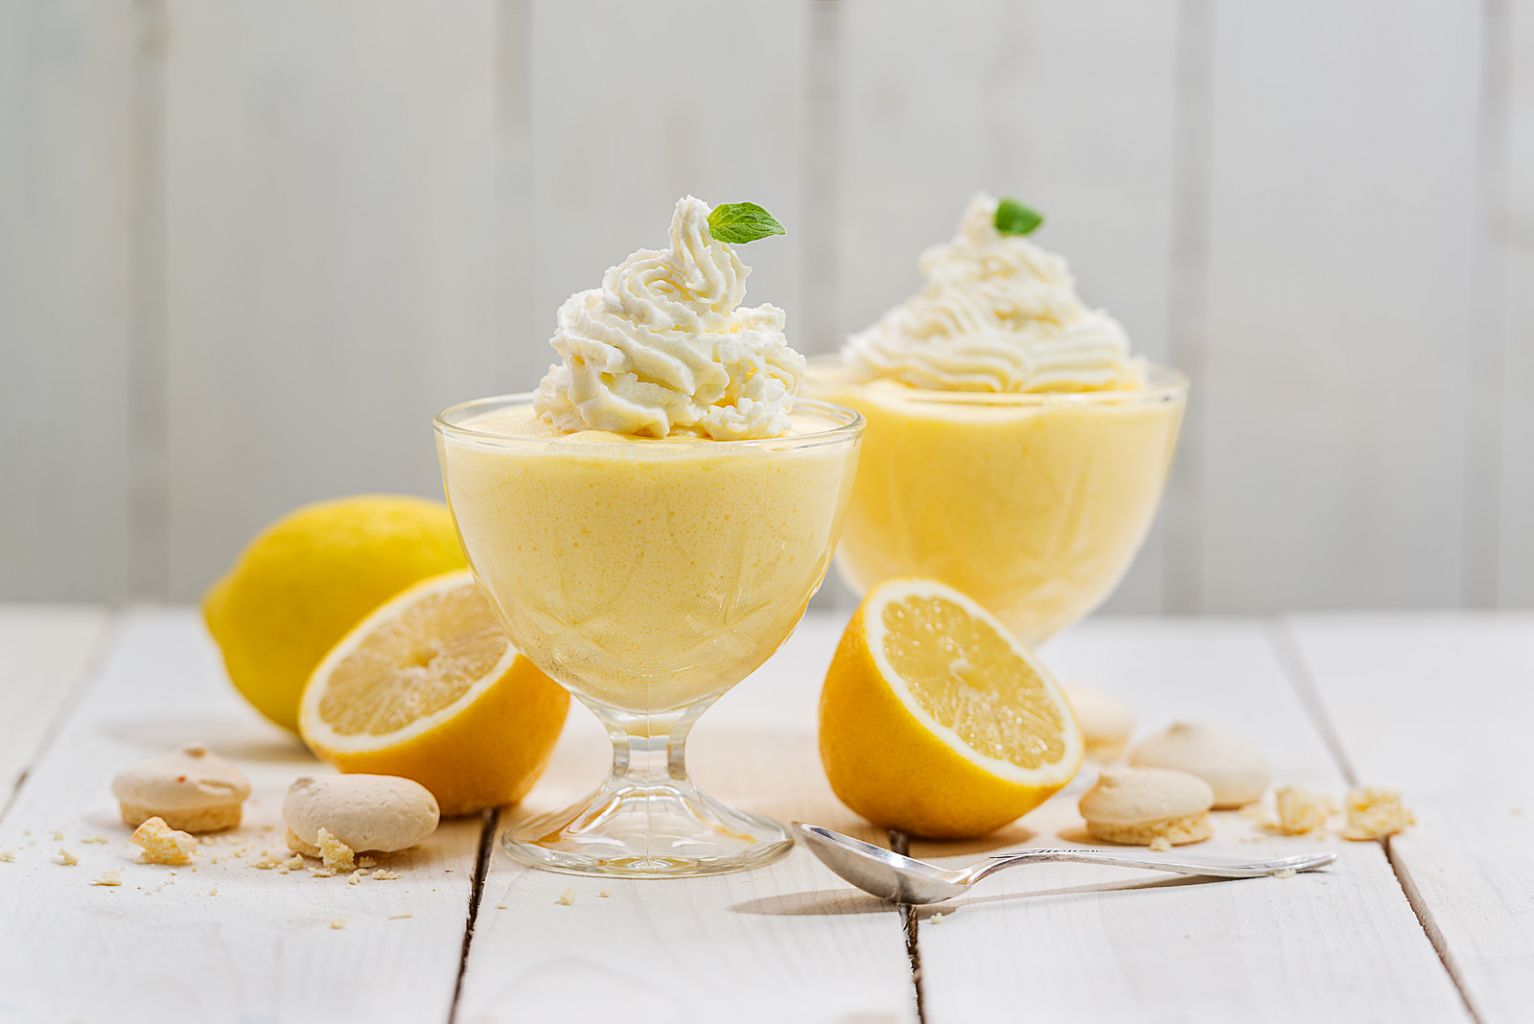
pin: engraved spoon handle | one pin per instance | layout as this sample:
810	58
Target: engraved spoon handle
1216	867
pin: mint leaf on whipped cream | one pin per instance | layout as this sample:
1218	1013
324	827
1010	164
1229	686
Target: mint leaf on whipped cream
741	222
1013	218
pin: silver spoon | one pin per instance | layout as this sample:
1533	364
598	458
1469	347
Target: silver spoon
903	879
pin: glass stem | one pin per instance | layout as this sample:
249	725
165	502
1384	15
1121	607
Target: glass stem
650	750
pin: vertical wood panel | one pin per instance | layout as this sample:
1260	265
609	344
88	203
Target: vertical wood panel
635	105
68	183
1515	568
1342	241
1070	106
331	255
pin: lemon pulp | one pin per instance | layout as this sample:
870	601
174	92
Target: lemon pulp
415	665
965	675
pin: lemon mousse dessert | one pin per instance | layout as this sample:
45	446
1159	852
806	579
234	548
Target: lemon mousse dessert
649	526
1015	449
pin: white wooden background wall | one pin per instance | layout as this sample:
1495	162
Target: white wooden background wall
247	249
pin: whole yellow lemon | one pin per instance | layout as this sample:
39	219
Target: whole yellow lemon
309	578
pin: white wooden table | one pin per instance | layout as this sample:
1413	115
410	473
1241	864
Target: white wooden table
1437	925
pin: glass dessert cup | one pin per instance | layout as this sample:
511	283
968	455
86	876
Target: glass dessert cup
647	577
1033	504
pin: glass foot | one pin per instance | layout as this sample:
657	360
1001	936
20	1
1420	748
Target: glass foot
652	830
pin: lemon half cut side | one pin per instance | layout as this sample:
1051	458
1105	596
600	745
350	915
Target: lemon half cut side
430	688
934	720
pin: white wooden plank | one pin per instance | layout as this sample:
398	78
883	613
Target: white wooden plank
1514	228
1343	238
45	652
261	948
1439	707
67	120
1098	944
785	940
331	250
1070	106
637	105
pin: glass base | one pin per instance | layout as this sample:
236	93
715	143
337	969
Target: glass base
647	820
650	831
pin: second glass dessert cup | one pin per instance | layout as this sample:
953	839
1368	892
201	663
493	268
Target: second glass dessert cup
1034	504
647	577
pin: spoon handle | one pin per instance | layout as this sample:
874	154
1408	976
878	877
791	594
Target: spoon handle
1216	867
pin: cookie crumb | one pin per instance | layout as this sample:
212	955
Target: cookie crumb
57	835
338	923
503	906
604	894
163	844
366	862
334	853
384	875
8	856
1284	873
1300	811
267	862
294	863
935	919
399	917
322	872
93	839
67	858
566	898
355	877
1161	844
111	876
213	891
1375	813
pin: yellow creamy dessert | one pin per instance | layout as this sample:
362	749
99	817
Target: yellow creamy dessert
650	525
645	573
1014	450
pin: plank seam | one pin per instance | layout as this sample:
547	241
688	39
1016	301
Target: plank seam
1286	650
901	844
1291	660
1481	524
489	823
88	676
1187	302
149	483
820	268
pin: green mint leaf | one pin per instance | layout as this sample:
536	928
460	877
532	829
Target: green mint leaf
737	223
1013	218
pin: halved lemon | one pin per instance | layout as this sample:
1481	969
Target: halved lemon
428	687
935	721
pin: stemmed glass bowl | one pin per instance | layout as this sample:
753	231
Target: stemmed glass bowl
1033	504
647	577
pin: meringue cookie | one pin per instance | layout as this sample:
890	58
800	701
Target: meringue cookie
1106	723
1137	806
381	813
192	789
1234	769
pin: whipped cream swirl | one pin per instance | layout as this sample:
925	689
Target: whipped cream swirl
996	313
665	347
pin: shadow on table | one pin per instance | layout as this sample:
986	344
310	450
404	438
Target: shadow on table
837	902
1099	889
815	903
232	738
